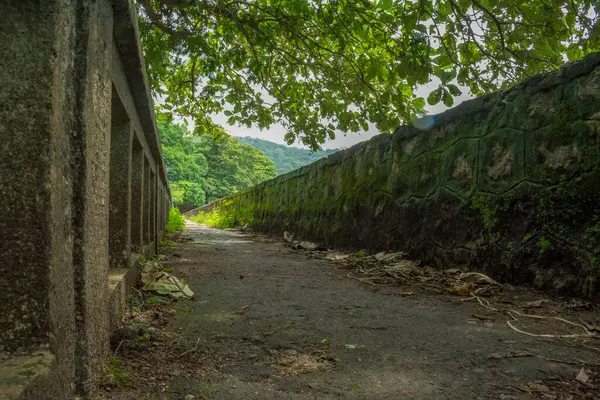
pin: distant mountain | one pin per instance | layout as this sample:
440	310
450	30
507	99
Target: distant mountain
286	158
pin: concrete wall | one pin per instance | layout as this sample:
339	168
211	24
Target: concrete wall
80	171
508	184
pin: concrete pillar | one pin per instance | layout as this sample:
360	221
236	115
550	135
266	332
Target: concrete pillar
137	190
119	223
91	143
37	44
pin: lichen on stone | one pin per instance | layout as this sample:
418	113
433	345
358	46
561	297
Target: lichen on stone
503	162
563	156
462	170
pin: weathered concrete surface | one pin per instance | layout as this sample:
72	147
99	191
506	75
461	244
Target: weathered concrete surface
36	236
73	96
272	323
507	183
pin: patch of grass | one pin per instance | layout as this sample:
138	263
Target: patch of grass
215	219
175	221
117	375
167	244
361	253
156	299
144	338
226	216
543	244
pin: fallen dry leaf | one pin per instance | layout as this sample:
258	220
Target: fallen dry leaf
461	290
582	376
535	387
477	278
536	303
518	353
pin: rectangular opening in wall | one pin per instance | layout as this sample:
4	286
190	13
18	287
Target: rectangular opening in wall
146	203
119	209
137	198
153	235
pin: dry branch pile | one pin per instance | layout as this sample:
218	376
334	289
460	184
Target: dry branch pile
393	268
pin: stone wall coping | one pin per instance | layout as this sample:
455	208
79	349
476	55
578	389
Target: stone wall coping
127	38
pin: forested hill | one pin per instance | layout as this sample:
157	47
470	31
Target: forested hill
286	158
204	168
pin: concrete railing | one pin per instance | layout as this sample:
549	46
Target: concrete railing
84	189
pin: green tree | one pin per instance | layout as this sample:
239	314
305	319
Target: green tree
233	166
316	66
206	168
185	192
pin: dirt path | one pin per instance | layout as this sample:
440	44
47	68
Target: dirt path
269	322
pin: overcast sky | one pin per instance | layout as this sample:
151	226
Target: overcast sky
277	132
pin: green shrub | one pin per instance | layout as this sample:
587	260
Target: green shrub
215	219
221	219
175	221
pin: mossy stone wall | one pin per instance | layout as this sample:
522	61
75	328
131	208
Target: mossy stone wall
508	184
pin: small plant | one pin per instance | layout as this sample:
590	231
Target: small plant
175	221
488	215
361	253
527	237
223	217
144	338
155	299
167	244
138	326
215	219
117	375
543	244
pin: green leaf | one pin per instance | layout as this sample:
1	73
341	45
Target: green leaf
454	90
384	72
448	99
385	4
444	61
419	103
434	97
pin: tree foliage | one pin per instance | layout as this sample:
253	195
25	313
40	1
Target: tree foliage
317	66
286	158
204	169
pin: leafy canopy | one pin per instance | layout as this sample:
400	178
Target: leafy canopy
316	66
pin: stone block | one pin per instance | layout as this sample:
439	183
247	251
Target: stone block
501	160
418	177
558	152
459	166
